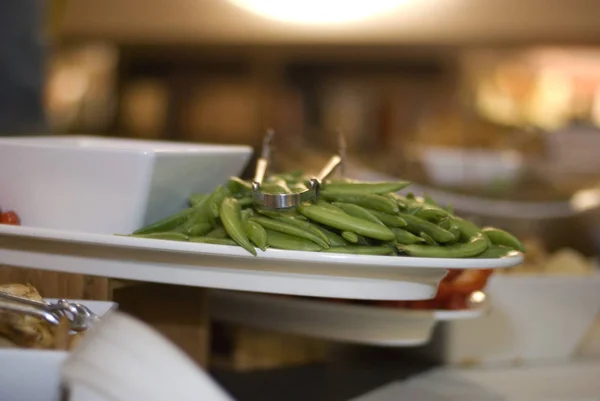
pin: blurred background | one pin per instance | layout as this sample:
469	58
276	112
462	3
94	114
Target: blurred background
489	100
493	106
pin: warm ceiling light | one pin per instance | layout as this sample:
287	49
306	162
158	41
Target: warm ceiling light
318	11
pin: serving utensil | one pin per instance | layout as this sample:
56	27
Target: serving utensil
294	199
80	317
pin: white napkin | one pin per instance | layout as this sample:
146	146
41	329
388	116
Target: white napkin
123	359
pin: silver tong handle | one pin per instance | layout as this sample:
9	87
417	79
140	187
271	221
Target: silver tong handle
329	168
342	152
263	162
28	309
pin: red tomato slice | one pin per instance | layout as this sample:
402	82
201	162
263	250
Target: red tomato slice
10	218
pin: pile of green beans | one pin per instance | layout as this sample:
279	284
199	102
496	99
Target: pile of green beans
365	218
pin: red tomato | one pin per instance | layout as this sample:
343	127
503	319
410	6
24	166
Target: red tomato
10	218
457	302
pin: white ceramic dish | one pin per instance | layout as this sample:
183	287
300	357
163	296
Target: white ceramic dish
531	319
107	185
456	167
371	325
27	374
226	267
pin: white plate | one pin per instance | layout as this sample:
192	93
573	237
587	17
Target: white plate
228	267
372	325
29	374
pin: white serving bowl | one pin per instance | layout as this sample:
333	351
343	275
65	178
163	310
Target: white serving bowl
106	185
532	319
31	374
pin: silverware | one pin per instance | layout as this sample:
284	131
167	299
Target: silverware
80	316
294	199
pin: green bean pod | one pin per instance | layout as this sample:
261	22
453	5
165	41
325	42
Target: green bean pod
406	237
279	213
214	241
370	201
280	240
428	240
218	232
345	222
169	236
283	227
200	229
496	251
388	219
363	250
357	211
232	222
256	233
334	239
416	225
376	188
305	225
238	186
474	247
216	200
429	212
196	199
501	237
350	236
166	224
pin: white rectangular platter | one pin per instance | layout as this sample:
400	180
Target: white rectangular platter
227	267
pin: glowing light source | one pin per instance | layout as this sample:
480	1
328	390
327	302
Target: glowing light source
318	11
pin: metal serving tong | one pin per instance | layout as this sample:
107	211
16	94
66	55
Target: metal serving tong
291	200
80	316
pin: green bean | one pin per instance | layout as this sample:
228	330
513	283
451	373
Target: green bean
197	198
245	201
467	228
238	186
388	219
450	208
363	250
169	236
350	236
406	237
232	222
246	214
202	213
214	241
275	188
410	196
377	188
428	239
331	207
218	232
346	222
216	200
282	227
400	200
357	211
166	224
200	229
334	239
370	201
256	233
277	214
429	212
280	240
416	225
496	251
456	232
305	225
429	200
501	237
474	247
